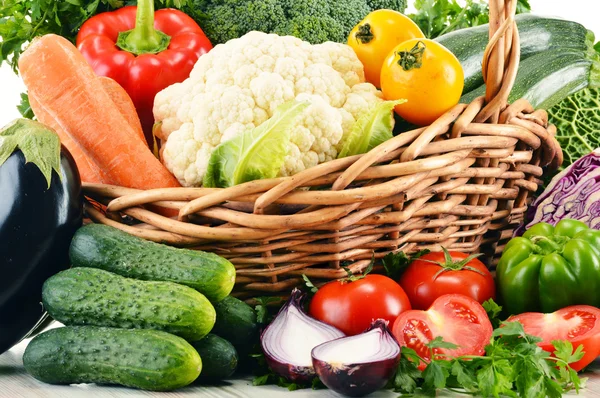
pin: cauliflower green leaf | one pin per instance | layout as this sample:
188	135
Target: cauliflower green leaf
255	154
371	129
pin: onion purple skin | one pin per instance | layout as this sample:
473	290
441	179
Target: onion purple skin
356	380
360	379
294	373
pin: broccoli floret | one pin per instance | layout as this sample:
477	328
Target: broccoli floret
313	29
398	5
315	21
230	19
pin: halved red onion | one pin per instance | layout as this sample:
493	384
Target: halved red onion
358	365
288	341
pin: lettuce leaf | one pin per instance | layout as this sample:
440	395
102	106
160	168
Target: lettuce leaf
255	154
371	129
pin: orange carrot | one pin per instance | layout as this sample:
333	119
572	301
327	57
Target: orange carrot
64	84
88	170
124	104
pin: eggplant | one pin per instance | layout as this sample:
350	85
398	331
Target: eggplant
41	207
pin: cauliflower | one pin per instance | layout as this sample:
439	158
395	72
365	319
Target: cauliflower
239	84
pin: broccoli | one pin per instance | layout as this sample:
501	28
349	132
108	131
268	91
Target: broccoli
315	21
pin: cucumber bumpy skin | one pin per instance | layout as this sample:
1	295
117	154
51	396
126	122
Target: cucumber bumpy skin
145	359
110	249
89	296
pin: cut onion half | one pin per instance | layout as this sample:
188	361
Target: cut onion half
288	341
358	365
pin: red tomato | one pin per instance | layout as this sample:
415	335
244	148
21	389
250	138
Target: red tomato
352	306
579	324
456	318
430	277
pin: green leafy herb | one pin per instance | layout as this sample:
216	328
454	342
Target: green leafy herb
493	311
372	128
263	315
437	17
513	366
255	154
24	107
311	287
439	342
39	145
396	263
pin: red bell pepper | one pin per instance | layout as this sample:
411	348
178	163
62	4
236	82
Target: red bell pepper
143	50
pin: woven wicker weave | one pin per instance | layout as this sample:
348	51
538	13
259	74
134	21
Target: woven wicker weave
463	183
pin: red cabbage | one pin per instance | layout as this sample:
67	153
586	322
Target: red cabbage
573	193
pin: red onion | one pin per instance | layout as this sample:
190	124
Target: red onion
288	341
358	365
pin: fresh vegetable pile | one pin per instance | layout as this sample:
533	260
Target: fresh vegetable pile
130	96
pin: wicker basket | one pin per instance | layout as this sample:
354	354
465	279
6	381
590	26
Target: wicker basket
463	183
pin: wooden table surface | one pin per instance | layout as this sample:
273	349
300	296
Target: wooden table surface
16	383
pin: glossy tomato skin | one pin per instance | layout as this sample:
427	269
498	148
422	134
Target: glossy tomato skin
430	89
579	324
456	318
376	35
352	306
423	282
37	224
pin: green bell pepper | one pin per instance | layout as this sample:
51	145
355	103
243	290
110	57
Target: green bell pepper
550	268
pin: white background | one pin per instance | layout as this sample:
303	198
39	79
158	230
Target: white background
586	12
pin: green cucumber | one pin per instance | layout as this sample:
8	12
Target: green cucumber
536	34
236	322
145	359
89	296
110	249
546	78
219	358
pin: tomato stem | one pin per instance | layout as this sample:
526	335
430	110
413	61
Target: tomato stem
412	58
364	34
144	39
450	265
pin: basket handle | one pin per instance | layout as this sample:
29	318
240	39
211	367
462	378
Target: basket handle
499	68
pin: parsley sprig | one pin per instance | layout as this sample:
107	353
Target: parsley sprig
513	366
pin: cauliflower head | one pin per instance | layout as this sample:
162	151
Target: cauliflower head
239	84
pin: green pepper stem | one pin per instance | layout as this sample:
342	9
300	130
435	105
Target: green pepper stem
144	39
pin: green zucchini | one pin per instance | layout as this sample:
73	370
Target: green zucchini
537	34
236	322
145	359
219	358
546	78
110	249
89	296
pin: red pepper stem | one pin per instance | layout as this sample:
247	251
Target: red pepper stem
144	39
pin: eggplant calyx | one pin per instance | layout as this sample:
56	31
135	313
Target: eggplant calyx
39	144
450	265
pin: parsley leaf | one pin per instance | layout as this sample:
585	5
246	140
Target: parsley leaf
311	287
513	366
439	342
493	311
437	17
263	315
